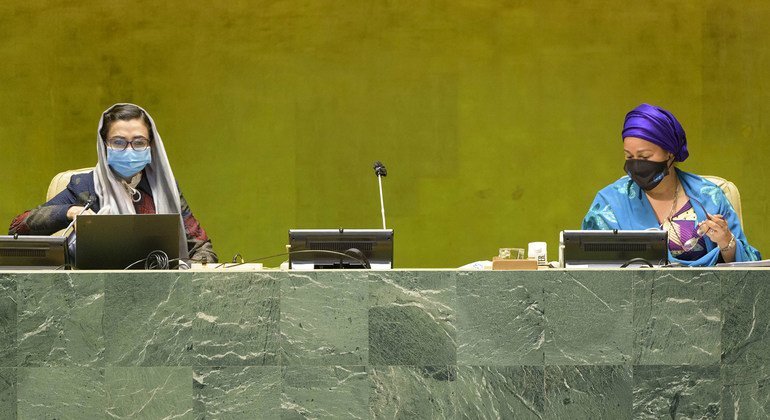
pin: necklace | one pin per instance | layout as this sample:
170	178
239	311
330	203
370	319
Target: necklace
130	187
669	221
673	205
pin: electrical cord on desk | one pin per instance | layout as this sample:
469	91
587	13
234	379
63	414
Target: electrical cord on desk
672	265
361	258
636	260
356	253
156	260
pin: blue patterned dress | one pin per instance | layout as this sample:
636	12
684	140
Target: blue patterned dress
623	206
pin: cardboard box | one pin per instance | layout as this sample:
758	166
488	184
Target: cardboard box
508	264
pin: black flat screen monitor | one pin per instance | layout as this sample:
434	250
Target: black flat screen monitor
613	248
375	247
115	241
21	252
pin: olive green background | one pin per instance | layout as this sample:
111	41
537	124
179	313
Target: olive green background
498	120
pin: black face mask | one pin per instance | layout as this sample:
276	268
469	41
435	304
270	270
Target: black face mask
646	173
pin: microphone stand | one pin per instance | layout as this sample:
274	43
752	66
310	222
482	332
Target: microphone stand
380	171
88	205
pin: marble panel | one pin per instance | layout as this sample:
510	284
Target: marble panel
61	393
412	318
60	320
237	392
8	393
323	318
8	319
148	319
588	392
588	317
333	392
500	319
412	392
746	318
500	392
677	392
236	319
149	392
677	318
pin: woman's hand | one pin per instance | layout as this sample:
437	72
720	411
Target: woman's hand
717	230
75	211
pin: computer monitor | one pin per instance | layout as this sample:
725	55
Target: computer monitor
115	241
22	252
613	248
375	246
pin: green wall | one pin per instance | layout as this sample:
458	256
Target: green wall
498	120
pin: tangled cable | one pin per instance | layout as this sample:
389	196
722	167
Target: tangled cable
156	260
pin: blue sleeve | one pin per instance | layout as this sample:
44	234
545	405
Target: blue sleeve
743	251
712	195
600	216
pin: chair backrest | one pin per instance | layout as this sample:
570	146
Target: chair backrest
60	181
731	191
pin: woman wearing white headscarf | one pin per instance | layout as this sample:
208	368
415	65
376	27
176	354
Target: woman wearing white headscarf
132	176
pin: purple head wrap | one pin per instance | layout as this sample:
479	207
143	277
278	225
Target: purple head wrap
657	126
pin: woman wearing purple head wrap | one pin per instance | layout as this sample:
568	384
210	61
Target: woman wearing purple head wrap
702	224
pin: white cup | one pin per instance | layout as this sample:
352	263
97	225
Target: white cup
538	251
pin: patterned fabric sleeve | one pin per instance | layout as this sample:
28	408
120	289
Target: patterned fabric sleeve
600	216
744	251
198	242
49	217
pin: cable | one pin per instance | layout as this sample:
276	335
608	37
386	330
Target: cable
636	260
364	262
355	252
135	263
155	260
224	264
672	265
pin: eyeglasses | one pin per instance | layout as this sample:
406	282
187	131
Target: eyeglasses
119	143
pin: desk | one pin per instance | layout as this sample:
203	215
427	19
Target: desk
412	343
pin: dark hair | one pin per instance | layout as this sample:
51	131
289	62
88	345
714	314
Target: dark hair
124	112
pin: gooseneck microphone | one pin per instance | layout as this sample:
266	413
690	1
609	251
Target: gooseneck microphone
89	204
380	171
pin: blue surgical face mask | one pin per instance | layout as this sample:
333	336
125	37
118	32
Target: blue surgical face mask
129	162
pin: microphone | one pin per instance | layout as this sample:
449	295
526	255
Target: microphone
379	169
89	204
380	172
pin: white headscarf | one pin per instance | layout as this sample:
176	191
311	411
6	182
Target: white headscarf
113	196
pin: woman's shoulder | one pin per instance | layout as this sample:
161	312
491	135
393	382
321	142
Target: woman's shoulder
702	184
709	190
82	182
623	187
689	176
706	179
